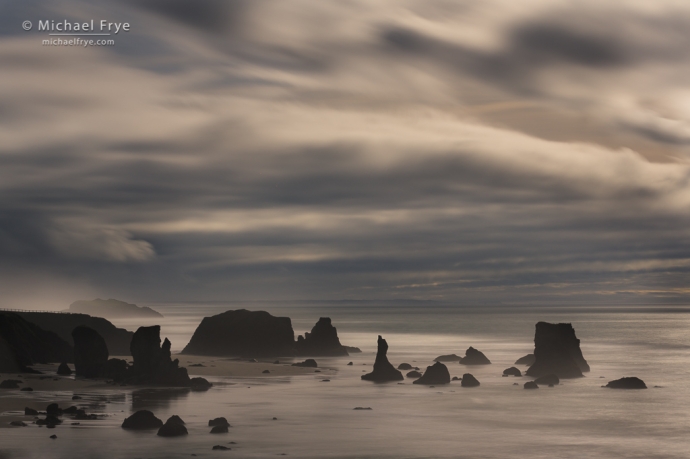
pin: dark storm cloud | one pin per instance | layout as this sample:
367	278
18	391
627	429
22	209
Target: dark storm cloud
213	16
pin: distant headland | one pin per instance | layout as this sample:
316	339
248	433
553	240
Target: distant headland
111	309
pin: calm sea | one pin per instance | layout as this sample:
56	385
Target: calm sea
315	419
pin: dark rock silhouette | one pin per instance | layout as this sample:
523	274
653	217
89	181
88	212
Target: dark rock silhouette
23	344
627	383
18	424
243	333
526	360
469	381
50	420
54	409
383	370
142	420
219	429
512	371
30	412
220	448
414	374
151	360
111	308
557	351
90	352
405	366
321	341
435	374
455	378
117	339
116	369
309	363
547	380
10	384
218	422
64	369
531	385
199	384
474	357
173	427
448	358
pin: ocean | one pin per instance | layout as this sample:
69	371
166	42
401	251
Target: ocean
316	419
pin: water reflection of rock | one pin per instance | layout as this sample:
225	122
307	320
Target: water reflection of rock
152	399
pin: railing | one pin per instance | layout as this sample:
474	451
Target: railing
36	310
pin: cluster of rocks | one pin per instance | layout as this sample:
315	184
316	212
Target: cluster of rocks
173	427
53	414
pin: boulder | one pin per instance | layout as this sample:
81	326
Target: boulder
64	369
199	384
414	374
10	384
547	380
309	363
627	383
448	358
474	357
243	333
526	360
557	351
469	381
405	366
142	420
512	371
383	370
219	429
116	369
435	374
321	341
90	352
531	385
455	378
218	422
173	427
30	412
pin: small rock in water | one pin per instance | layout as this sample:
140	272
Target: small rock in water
277	362
220	448
53	436
455	378
76	397
275	419
26	389
531	385
30	412
404	366
350	363
362	408
219	429
627	383
218	422
310	363
265	371
325	380
18	424
512	371
515	384
469	381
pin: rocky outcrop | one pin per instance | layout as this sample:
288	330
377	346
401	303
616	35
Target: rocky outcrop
512	371
547	380
531	385
309	363
627	383
173	427
469	381
90	352
23	344
321	341
526	360
383	370
64	369
243	333
474	357
142	420
151	360
117	339
435	374
448	358
557	351
112	308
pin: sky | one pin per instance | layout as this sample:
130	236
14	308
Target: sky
493	152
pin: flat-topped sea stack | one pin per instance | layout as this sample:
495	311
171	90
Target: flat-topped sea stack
557	351
321	341
112	309
434	374
117	339
243	333
383	370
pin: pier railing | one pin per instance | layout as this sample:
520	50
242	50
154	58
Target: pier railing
35	310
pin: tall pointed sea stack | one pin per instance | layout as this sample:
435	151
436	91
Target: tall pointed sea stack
557	351
383	370
322	340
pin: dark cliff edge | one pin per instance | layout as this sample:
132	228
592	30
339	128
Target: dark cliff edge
25	343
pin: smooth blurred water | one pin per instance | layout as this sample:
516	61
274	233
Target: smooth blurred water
578	419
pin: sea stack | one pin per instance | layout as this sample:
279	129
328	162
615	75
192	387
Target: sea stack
243	333
321	341
474	357
557	351
90	352
435	374
383	370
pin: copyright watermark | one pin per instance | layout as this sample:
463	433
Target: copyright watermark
27	25
71	33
